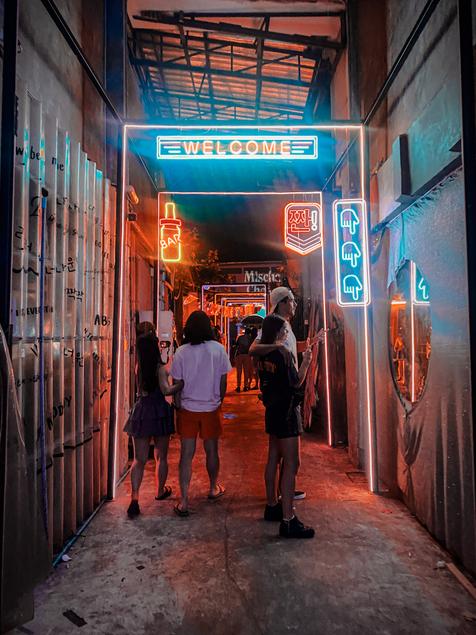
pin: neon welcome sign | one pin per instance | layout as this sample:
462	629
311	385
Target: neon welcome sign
272	147
351	253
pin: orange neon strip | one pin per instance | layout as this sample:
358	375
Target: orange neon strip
346	126
370	421
330	439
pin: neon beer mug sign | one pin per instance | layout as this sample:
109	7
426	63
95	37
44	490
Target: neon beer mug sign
237	147
302	227
351	253
170	235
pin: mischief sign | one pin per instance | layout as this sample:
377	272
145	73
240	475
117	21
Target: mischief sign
351	253
237	147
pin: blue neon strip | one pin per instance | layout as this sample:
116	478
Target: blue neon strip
237	147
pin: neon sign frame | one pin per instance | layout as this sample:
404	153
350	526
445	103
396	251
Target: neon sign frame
303	246
359	252
172	223
174	147
343	126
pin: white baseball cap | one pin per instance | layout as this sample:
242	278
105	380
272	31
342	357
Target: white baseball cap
278	294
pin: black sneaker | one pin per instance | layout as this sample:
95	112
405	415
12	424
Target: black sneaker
299	495
237	389
273	512
294	528
133	509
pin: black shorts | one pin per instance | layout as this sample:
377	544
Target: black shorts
284	425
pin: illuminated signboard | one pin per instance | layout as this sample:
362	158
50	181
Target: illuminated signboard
420	287
351	253
237	147
303	227
170	235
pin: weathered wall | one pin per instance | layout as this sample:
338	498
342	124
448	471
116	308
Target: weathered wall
424	102
425	452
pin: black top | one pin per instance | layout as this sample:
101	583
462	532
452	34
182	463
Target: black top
278	382
148	358
243	344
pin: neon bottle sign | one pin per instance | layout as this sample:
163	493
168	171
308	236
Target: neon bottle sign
237	147
351	253
170	235
303	227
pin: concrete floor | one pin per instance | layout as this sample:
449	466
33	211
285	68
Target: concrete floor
370	569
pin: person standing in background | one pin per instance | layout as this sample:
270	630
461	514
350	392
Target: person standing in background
203	365
151	416
243	361
279	382
283	304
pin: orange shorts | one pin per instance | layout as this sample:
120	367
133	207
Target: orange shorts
208	425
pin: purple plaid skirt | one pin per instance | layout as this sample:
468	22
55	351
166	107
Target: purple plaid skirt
151	416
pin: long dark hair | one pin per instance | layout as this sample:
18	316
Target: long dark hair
148	358
198	329
272	324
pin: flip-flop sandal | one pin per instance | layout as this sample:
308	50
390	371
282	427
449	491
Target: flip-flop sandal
219	494
167	492
183	513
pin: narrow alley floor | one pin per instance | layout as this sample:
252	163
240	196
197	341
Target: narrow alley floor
370	569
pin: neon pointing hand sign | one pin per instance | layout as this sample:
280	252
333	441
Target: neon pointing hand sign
352	285
351	253
349	219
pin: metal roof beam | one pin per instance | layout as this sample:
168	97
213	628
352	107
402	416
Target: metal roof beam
288	81
234	29
259	66
269	107
250	14
310	53
209	75
188	66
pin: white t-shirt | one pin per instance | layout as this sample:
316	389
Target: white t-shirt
290	342
201	367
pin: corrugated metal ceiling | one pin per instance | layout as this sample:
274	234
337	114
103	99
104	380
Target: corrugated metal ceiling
263	60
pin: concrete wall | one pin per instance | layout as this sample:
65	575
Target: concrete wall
424	102
417	449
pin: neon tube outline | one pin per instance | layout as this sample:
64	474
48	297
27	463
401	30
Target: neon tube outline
337	126
161	227
370	420
254	157
365	254
313	193
310	249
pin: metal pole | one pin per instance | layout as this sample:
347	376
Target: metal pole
468	146
117	320
7	171
370	324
